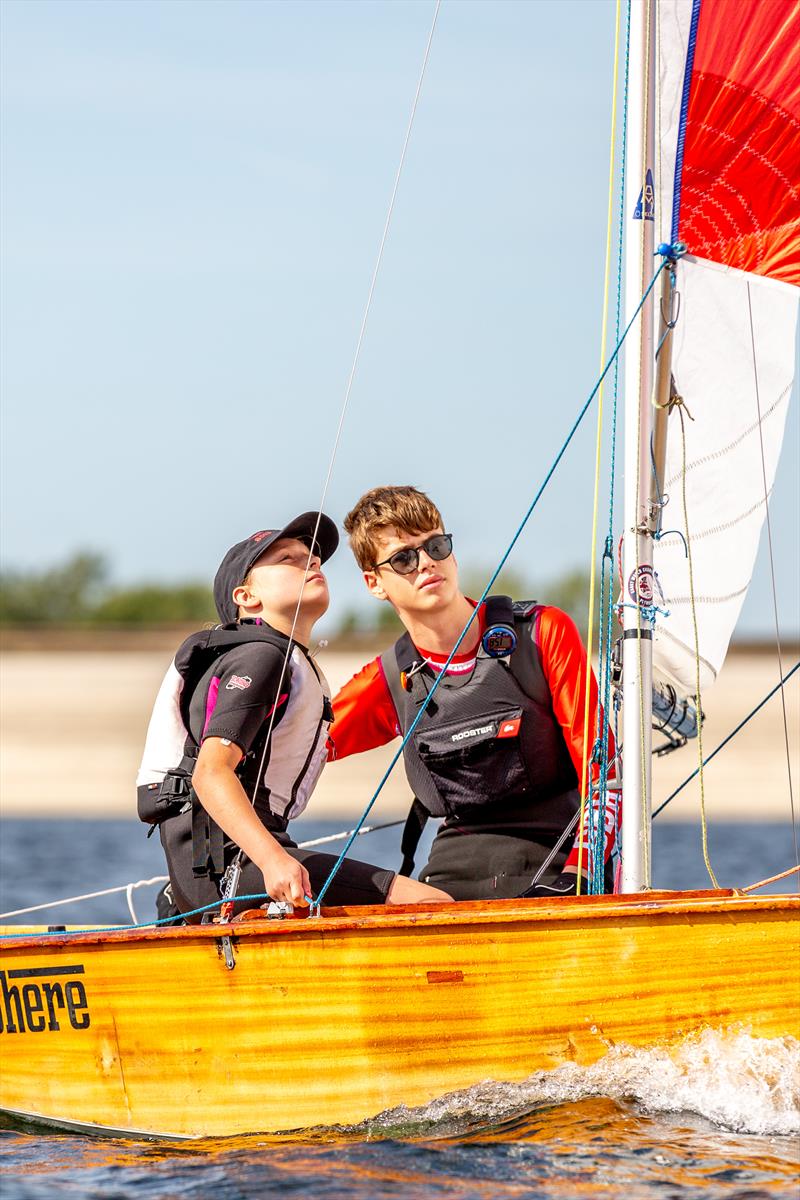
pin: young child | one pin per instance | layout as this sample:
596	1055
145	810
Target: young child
499	750
238	735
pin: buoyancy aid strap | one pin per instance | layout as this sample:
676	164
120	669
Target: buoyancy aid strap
416	821
394	664
525	661
199	651
208	842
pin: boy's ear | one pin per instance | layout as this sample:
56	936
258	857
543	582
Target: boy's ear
373	581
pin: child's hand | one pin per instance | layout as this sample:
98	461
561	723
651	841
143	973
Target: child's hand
285	878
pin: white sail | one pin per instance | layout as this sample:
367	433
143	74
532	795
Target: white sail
735	379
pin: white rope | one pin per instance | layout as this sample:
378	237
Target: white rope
125	887
128	888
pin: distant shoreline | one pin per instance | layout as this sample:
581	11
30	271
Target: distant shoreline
101	640
80	758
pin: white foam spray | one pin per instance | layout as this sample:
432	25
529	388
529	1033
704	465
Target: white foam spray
741	1083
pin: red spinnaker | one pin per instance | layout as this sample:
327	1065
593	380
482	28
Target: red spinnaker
740	187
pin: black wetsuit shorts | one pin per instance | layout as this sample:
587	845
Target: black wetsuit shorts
354	883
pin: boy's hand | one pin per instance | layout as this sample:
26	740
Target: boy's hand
285	878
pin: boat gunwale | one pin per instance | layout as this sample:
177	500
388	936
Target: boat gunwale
397	917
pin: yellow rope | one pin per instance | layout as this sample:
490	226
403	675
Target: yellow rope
679	404
585	783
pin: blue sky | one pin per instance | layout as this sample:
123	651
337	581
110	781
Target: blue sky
192	200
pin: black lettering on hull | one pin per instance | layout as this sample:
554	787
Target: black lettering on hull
42	1003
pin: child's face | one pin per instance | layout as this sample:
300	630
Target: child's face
278	579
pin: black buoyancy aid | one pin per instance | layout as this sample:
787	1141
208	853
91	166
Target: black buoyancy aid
156	802
488	744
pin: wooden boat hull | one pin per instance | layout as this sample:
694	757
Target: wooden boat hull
332	1020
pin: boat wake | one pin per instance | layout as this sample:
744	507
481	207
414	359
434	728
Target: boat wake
738	1082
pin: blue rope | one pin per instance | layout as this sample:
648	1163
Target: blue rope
488	587
649	612
140	925
597	822
733	733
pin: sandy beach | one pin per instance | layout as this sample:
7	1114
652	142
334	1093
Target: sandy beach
72	727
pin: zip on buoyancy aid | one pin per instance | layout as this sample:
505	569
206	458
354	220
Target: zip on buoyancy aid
487	742
165	792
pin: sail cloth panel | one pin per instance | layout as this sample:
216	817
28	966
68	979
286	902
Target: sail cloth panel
715	373
728	183
739	188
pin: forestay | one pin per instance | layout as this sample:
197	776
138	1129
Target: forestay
728	180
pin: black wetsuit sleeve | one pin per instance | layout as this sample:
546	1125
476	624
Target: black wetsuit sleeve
242	691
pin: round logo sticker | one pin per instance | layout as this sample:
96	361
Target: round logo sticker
641	584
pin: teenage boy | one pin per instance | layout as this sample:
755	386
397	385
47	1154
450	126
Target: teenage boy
499	750
238	735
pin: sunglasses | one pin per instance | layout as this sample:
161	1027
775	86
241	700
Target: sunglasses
404	561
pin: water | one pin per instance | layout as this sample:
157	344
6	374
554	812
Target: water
717	1115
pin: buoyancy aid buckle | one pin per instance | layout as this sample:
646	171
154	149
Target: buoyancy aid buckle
408	673
155	802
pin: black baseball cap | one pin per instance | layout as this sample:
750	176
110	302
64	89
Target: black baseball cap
240	558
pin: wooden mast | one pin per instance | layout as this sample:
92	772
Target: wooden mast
637	575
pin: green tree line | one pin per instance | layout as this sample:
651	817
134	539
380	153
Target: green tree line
78	594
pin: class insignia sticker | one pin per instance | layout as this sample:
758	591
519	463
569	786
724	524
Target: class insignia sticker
644	586
646	204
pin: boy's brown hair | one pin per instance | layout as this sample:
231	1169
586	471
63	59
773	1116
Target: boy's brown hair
406	508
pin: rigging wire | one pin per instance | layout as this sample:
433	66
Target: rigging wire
606	598
781	684
342	414
443	671
772	572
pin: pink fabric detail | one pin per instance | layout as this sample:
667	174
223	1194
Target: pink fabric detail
281	700
211	702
